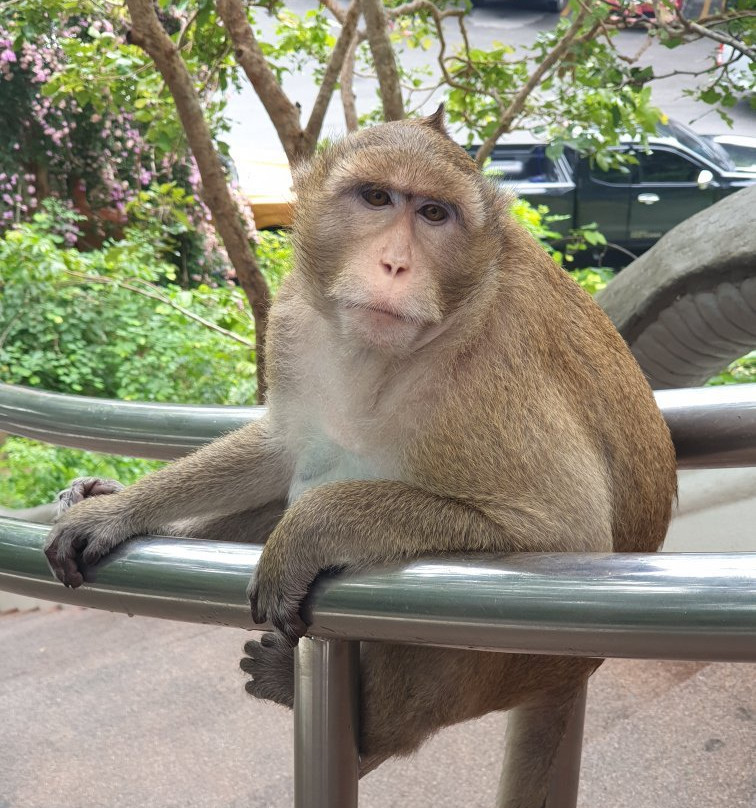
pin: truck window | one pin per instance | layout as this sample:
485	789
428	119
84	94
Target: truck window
612	176
664	166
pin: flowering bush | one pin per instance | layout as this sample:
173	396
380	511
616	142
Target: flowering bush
83	122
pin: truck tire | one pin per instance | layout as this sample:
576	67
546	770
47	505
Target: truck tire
687	307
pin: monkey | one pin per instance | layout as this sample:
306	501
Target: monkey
437	385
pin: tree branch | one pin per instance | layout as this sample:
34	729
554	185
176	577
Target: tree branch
328	84
347	90
726	39
338	12
518	102
676	23
282	112
148	33
376	26
155	295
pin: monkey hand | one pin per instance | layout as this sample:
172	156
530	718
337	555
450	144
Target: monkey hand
82	488
290	562
84	534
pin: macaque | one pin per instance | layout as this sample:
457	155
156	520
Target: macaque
438	385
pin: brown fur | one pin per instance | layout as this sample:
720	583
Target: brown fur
434	388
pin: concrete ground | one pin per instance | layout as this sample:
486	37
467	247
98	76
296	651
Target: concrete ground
102	710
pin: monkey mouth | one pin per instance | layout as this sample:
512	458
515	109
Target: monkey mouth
387	312
383	311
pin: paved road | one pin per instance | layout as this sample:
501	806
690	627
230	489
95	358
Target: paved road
252	136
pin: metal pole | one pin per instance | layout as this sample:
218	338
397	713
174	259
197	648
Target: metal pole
326	715
565	776
712	427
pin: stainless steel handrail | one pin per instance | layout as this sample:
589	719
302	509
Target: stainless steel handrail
132	428
711	426
697	606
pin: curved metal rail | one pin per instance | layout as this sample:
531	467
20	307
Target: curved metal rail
132	428
698	606
711	426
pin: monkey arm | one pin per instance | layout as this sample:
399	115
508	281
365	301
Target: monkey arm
357	524
244	470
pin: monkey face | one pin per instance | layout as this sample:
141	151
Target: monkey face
396	247
387	292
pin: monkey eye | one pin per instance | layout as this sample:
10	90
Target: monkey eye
434	213
376	197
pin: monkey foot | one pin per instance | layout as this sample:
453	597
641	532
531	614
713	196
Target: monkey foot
270	662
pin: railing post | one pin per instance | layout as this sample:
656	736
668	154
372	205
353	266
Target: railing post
565	776
326	712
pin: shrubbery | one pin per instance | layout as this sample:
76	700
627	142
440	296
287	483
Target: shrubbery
114	323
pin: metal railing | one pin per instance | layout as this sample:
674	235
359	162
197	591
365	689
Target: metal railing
712	427
698	606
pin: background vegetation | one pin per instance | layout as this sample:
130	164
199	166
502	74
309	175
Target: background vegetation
129	263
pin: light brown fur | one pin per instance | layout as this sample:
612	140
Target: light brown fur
435	387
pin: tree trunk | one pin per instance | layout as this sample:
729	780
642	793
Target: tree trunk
376	27
340	52
517	105
283	114
148	34
347	90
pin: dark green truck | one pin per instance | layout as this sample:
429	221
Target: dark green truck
680	174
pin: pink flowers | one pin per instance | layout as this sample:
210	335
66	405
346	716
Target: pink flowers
8	56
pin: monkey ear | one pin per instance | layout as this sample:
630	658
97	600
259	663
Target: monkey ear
437	121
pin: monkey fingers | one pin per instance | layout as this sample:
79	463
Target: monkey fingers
270	662
277	599
82	488
83	536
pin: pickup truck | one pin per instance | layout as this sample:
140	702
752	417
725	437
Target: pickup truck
679	174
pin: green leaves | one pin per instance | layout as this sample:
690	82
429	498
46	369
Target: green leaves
741	371
83	323
32	473
537	221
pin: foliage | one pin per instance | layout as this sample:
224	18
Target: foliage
79	323
537	220
32	473
741	371
734	78
113	323
592	279
275	256
88	120
150	315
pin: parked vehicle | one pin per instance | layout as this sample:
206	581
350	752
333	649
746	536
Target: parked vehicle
678	175
547	5
741	149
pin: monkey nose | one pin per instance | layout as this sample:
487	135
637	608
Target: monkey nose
395	267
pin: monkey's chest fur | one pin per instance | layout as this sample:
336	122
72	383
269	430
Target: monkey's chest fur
338	428
321	460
